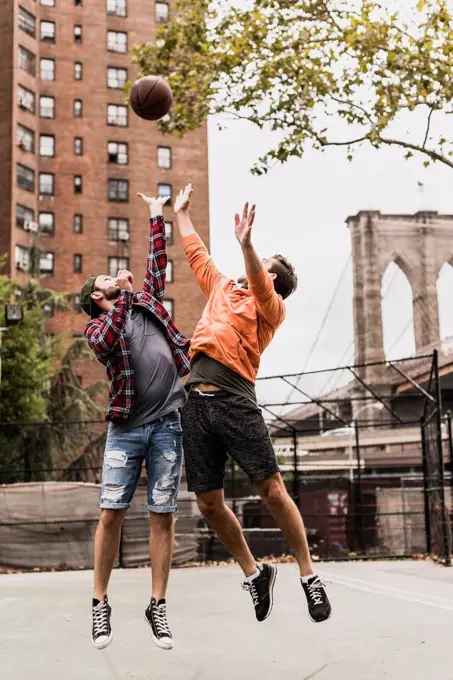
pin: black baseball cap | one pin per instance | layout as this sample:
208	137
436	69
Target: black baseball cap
86	302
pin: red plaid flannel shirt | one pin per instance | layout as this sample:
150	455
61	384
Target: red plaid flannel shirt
106	333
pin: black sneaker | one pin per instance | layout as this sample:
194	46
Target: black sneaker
262	591
102	631
319	608
156	616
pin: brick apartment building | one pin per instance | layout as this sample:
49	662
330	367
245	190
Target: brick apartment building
74	155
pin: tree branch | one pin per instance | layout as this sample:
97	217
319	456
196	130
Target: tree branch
354	105
414	147
351	142
428	125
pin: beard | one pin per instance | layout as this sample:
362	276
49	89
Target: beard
243	282
112	293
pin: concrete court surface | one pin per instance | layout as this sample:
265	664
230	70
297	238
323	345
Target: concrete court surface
391	620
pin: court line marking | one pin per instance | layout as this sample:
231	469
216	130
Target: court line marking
375	589
317	672
387	587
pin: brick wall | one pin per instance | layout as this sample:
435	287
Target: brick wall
189	155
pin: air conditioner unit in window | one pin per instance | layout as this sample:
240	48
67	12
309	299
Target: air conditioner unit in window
29	225
124	237
21	145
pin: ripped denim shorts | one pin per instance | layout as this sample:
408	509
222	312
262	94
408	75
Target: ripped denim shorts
159	444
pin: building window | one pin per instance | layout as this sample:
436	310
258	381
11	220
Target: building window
78	3
164	191
116	77
78	264
169	232
46	263
78	146
48	310
46	184
77	34
78	224
46	107
48	31
116	41
47	145
118	190
78	108
117	7
118	153
46	222
76	304
27	61
169	306
78	70
117	115
163	157
170	271
25	99
22	257
24	216
118	229
25	139
117	263
27	22
25	178
47	69
78	184
48	3
162	12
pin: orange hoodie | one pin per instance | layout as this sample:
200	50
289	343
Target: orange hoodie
237	324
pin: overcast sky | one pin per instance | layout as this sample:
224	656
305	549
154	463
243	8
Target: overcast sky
301	212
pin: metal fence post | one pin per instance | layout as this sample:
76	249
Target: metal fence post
426	488
121	549
295	470
27	461
446	529
450	444
359	499
233	484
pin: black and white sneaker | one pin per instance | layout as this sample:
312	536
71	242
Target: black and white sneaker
319	608
102	631
261	588
156	616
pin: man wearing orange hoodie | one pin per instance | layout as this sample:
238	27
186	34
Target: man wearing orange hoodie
221	416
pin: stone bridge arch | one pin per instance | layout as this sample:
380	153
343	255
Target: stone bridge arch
419	244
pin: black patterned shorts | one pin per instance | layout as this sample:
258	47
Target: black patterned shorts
220	424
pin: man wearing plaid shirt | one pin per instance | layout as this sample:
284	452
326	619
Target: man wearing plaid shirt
145	355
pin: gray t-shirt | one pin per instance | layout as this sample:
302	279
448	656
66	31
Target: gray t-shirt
158	388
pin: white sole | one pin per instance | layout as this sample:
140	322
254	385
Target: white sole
105	644
157	642
271	591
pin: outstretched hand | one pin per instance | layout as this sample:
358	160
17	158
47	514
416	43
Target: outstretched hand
183	199
243	225
155	204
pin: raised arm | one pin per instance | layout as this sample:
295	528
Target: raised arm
268	303
156	268
201	263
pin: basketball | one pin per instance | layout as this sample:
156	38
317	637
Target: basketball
151	97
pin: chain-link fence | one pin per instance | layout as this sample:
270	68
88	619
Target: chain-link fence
363	460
